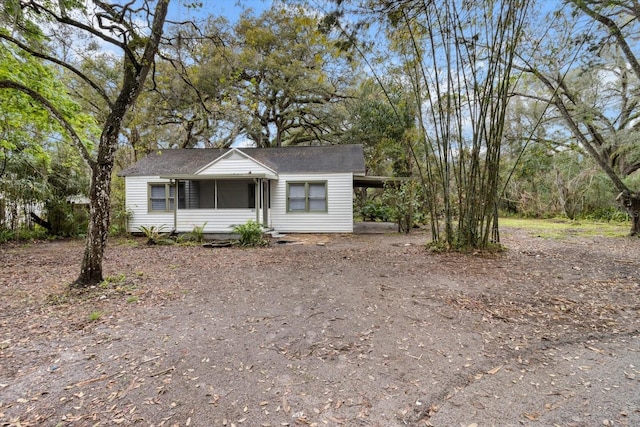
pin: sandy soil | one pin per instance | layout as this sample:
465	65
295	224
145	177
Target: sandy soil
348	330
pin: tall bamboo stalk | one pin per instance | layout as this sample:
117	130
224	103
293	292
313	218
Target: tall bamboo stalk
463	54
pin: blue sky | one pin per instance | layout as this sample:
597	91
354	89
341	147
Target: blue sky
231	9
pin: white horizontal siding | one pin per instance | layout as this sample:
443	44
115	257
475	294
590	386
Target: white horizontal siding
137	191
234	165
217	220
337	219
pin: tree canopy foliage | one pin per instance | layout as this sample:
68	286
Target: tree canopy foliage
38	169
273	79
574	77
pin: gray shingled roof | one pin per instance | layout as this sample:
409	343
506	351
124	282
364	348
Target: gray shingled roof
306	159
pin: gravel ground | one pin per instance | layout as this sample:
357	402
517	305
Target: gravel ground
326	330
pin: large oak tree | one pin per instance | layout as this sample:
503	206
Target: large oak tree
275	78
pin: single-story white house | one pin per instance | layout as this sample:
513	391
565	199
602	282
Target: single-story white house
287	189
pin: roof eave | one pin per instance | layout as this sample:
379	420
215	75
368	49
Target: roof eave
193	177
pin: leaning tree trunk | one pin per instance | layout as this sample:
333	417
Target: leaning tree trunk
629	200
631	203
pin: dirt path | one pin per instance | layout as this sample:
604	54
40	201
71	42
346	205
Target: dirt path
357	330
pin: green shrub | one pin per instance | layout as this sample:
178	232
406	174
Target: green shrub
609	213
156	235
120	218
251	234
374	210
23	234
404	202
196	235
6	235
67	219
198	232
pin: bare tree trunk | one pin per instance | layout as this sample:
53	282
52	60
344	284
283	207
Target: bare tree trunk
139	51
631	203
563	196
99	199
135	73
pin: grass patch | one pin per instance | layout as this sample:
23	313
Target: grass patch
57	299
561	228
117	283
111	281
94	316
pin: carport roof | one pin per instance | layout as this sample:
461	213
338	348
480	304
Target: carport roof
378	181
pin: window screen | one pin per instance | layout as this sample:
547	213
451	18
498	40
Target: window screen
307	197
158	197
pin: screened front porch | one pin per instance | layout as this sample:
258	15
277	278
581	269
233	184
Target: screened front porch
217	194
218	203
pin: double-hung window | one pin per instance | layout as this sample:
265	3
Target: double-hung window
307	196
162	197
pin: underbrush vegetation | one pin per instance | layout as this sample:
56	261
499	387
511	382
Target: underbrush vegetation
251	234
23	234
156	235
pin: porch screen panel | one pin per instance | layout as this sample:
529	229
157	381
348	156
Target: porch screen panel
189	195
236	194
207	194
182	194
172	197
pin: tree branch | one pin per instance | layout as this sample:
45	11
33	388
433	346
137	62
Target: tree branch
64	19
75	138
615	32
66	65
573	126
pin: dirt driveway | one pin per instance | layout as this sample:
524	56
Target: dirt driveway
354	330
